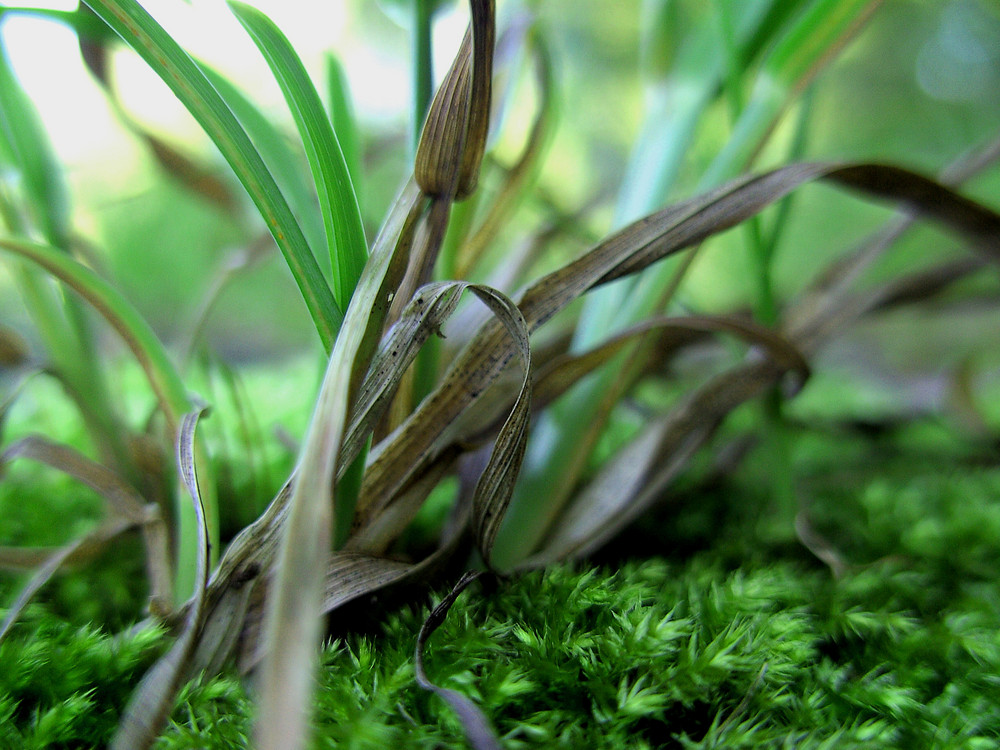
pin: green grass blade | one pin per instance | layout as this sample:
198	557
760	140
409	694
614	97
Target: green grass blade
190	85
122	316
809	43
345	124
42	206
25	137
283	161
338	202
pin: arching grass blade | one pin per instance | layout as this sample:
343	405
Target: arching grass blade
189	84
337	199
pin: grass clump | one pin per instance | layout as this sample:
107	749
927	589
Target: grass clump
522	436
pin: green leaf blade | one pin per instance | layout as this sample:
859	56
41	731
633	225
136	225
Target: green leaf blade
337	198
189	84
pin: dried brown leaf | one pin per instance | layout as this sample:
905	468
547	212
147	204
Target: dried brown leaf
153	699
478	728
453	140
396	460
85	546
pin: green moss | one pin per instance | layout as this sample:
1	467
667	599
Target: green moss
64	686
729	641
658	655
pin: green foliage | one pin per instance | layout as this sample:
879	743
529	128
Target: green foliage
899	652
730	635
63	685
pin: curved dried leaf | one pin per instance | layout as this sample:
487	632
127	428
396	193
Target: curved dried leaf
478	729
427	311
634	248
834	282
150	704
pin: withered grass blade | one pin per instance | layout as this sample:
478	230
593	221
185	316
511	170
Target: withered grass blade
152	701
295	601
478	729
382	529
239	586
84	547
559	374
629	483
824	296
453	139
496	484
427	311
123	502
633	249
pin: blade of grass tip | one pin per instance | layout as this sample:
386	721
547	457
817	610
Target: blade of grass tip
172	64
478	729
159	370
78	20
345	234
150	704
337	197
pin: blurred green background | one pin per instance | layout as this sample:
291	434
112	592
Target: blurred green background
919	85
